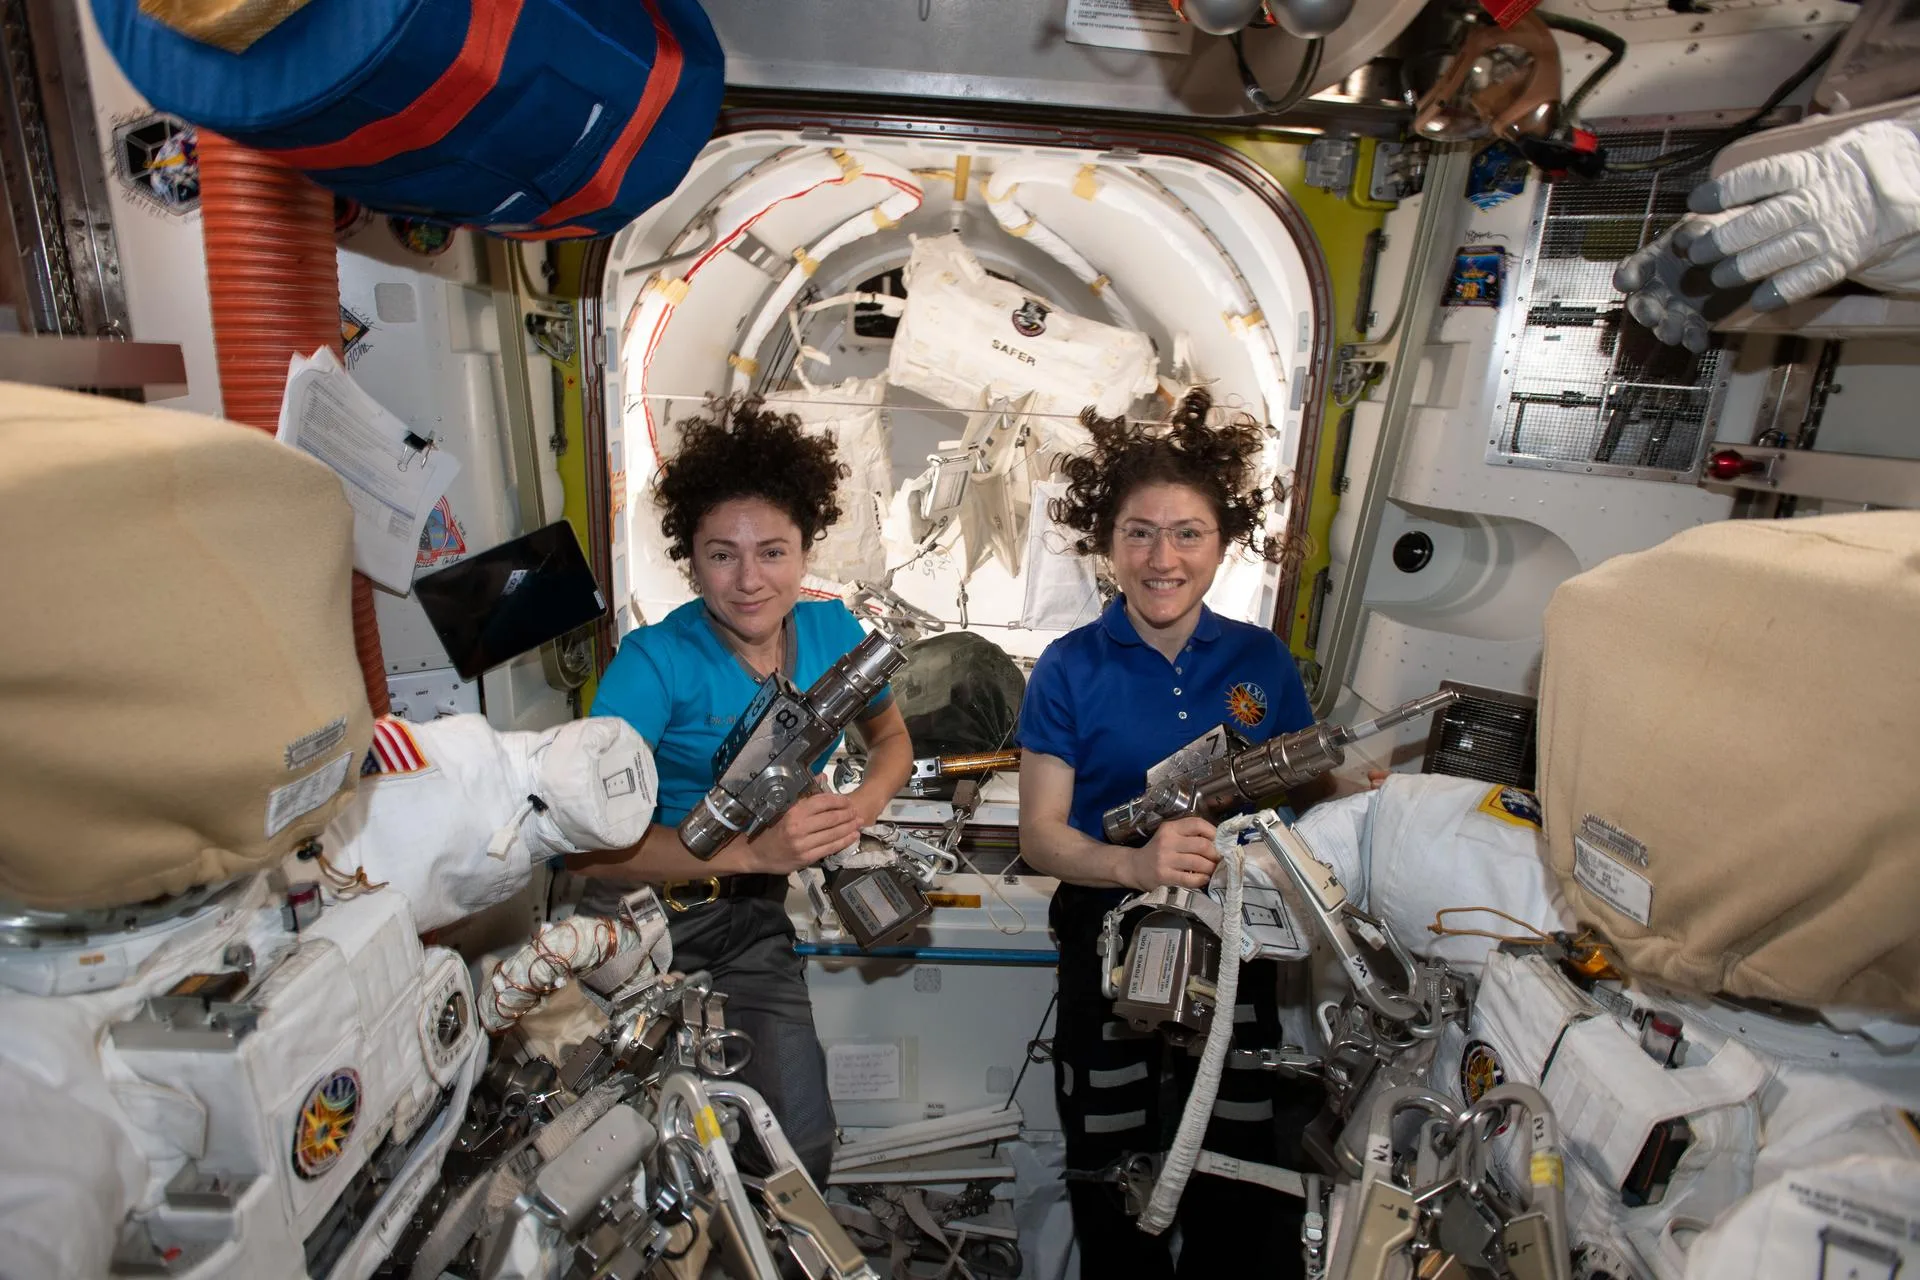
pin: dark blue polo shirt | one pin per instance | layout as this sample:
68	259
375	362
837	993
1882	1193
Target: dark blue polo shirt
1112	706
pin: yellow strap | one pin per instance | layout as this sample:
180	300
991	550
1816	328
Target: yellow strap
1240	324
882	221
1022	229
707	1126
1099	285
807	263
745	364
672	288
849	167
1085	182
962	170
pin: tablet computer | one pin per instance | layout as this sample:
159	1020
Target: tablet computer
513	598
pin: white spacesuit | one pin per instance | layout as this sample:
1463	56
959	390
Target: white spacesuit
227	1052
1704	1136
342	1037
1797	1123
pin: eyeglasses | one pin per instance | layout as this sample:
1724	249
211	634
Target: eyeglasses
1143	537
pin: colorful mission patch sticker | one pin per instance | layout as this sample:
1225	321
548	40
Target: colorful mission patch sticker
1499	173
1478	278
1247	704
428	239
1512	804
354	332
441	538
158	157
325	1123
1480	1071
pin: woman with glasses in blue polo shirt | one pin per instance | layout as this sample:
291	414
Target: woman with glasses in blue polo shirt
741	502
1107	702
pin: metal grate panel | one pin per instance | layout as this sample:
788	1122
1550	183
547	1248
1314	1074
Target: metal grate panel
1582	386
1488	734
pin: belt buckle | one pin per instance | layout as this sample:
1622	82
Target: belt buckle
671	892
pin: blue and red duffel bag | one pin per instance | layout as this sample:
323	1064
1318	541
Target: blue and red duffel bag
542	119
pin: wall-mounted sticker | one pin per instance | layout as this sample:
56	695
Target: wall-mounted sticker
1499	173
443	539
1478	276
158	158
354	333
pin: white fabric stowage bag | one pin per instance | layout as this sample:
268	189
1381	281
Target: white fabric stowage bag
1062	590
849	414
965	332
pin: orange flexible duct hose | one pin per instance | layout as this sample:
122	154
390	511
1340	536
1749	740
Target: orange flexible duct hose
275	285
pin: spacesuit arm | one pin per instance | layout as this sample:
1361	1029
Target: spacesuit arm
455	814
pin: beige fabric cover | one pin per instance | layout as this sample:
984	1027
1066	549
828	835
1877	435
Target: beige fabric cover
1743	701
176	632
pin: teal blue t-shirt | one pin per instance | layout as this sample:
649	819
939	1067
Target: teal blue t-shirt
681	687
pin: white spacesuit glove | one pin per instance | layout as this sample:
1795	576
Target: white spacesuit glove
1669	294
1848	208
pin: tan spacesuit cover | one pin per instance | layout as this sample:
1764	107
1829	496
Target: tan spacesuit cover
180	700
1730	757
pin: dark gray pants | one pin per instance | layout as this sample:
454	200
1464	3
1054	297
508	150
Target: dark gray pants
747	945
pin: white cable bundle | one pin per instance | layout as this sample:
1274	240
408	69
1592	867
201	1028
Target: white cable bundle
1187	1139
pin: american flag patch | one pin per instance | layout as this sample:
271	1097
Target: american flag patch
394	750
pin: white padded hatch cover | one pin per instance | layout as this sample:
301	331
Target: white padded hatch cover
180	701
1729	733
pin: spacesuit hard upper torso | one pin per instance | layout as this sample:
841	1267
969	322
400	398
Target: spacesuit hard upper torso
230	1146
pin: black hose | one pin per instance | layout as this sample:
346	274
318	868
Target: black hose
1737	131
1302	80
1616	53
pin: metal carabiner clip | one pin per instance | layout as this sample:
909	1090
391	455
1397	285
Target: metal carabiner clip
1533	1242
1387	1216
712	1054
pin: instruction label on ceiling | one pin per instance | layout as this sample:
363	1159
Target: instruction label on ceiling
1146	26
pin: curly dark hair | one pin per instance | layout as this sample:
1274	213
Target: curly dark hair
741	449
1218	460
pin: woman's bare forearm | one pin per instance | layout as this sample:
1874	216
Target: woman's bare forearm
889	762
1052	847
660	857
